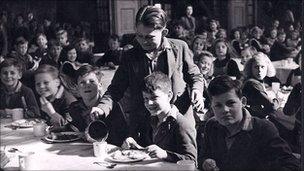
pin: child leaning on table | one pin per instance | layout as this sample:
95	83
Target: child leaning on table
172	136
13	94
54	99
90	90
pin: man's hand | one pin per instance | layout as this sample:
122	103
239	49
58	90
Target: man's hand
197	100
130	143
156	152
96	113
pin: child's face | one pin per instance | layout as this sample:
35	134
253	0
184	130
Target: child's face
246	55
220	49
72	55
227	108
222	34
10	76
46	85
281	37
148	37
62	38
237	35
22	48
273	34
259	69
213	26
189	10
198	45
294	35
157	102
89	86
113	44
83	46
179	30
256	34
205	65
276	24
55	51
41	41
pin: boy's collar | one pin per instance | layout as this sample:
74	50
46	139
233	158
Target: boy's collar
17	88
172	112
59	94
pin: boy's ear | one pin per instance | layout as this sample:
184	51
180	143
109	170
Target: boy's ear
57	80
165	32
244	101
170	95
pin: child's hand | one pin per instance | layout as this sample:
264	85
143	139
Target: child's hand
156	152
130	143
46	106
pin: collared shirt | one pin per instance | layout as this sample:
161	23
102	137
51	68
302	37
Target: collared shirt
245	125
157	60
165	123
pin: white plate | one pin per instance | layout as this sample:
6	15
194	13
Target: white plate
127	156
73	137
24	123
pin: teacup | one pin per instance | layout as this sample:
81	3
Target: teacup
100	149
26	161
16	113
39	129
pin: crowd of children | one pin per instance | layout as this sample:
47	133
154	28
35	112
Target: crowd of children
55	77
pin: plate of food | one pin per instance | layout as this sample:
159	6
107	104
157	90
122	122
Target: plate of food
61	137
25	123
127	156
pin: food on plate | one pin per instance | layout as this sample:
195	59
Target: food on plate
24	123
128	155
62	136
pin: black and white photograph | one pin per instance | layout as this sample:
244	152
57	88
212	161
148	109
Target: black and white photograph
189	85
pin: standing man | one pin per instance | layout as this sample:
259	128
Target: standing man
152	52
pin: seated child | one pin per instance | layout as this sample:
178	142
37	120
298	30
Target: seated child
172	136
205	64
53	55
179	32
42	49
90	89
235	139
279	49
62	37
113	55
247	53
224	65
54	99
198	46
84	51
13	94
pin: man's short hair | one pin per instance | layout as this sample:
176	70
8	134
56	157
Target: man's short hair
151	16
157	81
223	84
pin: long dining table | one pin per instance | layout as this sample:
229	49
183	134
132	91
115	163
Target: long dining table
64	156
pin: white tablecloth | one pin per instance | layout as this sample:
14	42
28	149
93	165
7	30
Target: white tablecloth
64	156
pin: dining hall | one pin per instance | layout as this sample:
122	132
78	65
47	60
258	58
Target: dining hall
151	85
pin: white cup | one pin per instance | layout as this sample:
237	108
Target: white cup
26	161
186	165
16	113
275	87
100	149
39	129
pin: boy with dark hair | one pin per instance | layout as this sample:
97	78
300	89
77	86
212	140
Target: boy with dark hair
84	51
236	140
151	52
54	51
172	136
13	94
